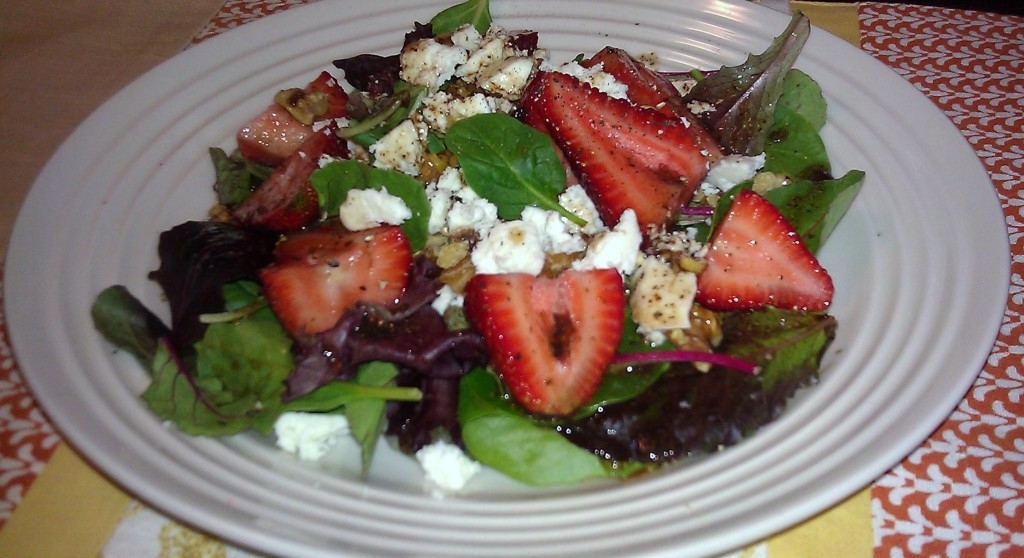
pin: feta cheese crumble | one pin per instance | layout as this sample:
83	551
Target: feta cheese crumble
446	467
429	63
402	148
662	297
511	247
618	248
730	171
597	77
368	208
454	206
309	435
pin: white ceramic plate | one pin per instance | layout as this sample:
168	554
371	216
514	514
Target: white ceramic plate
920	263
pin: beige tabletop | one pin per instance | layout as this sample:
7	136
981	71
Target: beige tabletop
61	60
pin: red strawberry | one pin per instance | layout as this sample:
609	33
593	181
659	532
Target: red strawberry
319	273
286	200
649	88
756	259
274	134
271	136
549	339
624	155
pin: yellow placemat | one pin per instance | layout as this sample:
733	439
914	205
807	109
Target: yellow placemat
70	511
838	18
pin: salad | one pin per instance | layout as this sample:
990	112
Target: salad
563	270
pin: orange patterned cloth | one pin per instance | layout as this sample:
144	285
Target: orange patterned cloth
962	492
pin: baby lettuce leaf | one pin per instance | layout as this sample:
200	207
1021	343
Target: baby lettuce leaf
237	176
238	376
474	12
127	324
744	96
801	94
509	163
335	180
499	434
812	208
366	416
793	147
687	413
815	208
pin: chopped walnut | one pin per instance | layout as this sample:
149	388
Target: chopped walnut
305	107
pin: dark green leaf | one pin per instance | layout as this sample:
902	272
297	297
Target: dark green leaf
815	208
509	163
474	12
812	208
365	416
127	324
237	176
500	435
334	181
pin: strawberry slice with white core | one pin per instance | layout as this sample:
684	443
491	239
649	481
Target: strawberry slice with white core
319	273
550	339
649	88
756	259
625	156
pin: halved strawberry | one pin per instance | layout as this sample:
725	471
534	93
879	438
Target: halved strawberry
649	88
549	339
286	200
756	259
319	273
274	134
624	155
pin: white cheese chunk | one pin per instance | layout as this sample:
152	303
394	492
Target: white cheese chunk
597	77
368	208
618	248
730	171
510	247
446	467
429	63
576	200
309	435
558	235
661	298
447	298
401	149
441	110
507	78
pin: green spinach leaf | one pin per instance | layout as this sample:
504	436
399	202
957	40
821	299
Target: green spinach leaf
474	12
499	435
334	181
365	416
510	164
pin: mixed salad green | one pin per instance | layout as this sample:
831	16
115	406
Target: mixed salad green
225	365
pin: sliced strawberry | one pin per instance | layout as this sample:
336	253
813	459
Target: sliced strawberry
624	155
286	200
549	339
321	272
271	136
649	88
274	134
756	259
